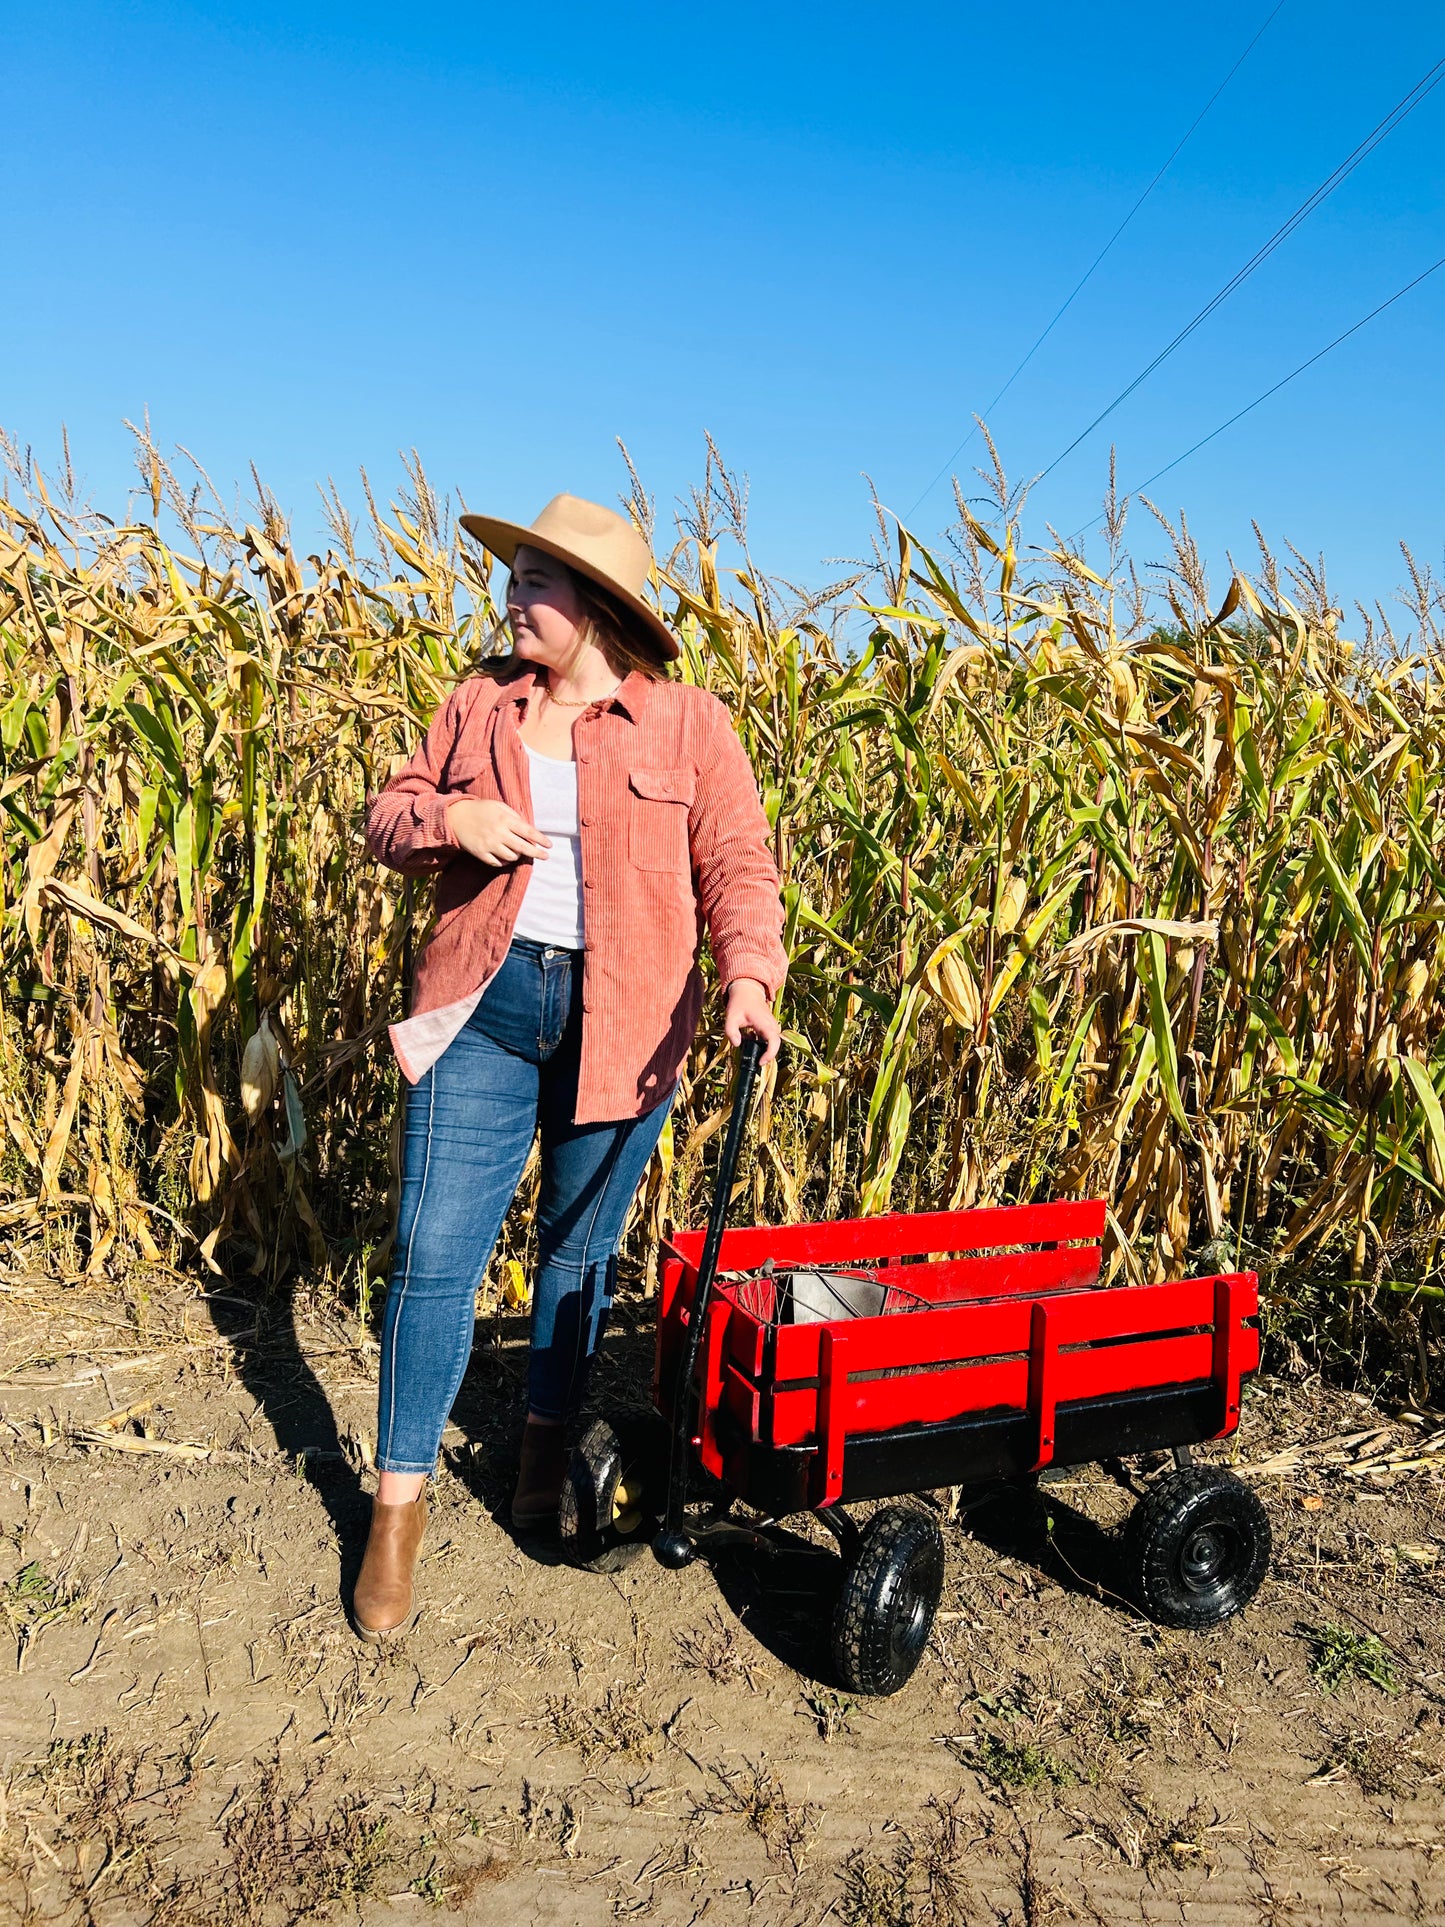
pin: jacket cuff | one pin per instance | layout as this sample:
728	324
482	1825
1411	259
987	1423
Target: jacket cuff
433	815
743	963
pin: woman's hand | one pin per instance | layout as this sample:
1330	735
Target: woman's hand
749	1009
493	832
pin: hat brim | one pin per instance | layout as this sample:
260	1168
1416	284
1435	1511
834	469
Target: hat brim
503	539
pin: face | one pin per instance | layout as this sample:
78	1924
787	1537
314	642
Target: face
548	623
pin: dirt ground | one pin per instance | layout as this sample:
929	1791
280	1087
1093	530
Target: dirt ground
191	1734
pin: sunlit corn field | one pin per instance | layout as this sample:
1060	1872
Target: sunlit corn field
1098	881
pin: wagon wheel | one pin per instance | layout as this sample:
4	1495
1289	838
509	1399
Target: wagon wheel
892	1583
1196	1547
613	1491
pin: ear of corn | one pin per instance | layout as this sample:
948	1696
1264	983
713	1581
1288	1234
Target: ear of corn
1078	899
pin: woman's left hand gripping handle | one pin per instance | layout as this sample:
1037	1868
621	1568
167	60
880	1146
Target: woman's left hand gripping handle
748	1008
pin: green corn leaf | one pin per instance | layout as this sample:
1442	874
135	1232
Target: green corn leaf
1155	971
1434	1116
1343	893
183	831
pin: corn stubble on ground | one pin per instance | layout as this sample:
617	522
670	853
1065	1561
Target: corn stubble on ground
190	1734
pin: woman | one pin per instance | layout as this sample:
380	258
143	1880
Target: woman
585	817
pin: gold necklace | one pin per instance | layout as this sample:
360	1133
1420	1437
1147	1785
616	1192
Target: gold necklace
586	702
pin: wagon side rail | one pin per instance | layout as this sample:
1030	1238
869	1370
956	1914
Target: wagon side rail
941	1257
895	1237
817	1386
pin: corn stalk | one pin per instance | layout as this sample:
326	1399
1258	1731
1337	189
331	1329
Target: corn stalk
1086	891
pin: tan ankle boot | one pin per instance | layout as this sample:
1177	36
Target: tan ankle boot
381	1604
539	1479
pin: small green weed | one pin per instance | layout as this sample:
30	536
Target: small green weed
1024	1765
831	1711
921	1883
755	1793
32	1601
31	1594
1382	1764
1341	1656
72	1763
428	1886
615	1725
872	1896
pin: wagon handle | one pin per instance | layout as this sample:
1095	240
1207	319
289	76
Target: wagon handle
672	1544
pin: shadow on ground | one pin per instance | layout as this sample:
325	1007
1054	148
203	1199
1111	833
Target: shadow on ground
785	1598
270	1361
1035	1525
271	1364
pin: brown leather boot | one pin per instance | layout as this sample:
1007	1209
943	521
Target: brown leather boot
539	1479
381	1604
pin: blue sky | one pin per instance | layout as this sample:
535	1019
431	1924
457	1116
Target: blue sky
310	236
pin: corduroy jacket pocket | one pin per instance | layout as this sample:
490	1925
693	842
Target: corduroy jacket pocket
469	772
657	817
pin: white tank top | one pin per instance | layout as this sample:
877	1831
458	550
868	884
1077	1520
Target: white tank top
551	909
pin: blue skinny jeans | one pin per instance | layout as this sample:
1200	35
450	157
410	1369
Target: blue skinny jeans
470	1122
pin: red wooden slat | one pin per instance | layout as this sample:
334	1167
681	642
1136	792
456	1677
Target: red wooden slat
833	1415
672	1268
959	1281
746	1336
1043	1379
710	1367
742	1400
1249	1355
1135	1309
669	1326
1234	1297
789	1418
900	1234
954	1280
881	1404
1132	1310
1133	1368
912	1338
923	1398
929	1398
918	1338
795	1352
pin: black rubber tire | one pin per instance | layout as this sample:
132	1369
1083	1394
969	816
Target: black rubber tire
891	1587
627	1451
1196	1547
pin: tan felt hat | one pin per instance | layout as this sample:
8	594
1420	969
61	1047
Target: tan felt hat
597	542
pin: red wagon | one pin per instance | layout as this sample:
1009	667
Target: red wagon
808	1366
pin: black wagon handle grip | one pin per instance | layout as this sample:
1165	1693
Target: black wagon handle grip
672	1544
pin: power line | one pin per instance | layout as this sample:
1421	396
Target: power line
1347	166
1088	273
1398	295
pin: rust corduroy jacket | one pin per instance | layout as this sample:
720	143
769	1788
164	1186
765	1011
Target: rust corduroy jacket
673	839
